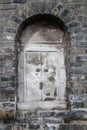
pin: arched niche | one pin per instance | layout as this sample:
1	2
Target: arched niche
42	62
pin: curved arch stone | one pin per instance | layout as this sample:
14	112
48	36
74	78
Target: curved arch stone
67	15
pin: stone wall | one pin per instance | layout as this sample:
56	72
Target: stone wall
73	13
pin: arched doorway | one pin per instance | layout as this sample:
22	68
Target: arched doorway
41	65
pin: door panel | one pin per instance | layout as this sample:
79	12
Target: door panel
42	78
33	75
49	75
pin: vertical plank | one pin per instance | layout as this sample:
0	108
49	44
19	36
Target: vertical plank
49	75
61	74
33	76
21	77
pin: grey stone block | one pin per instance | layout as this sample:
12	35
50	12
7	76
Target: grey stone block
19	1
36	8
8	7
76	64
52	114
78	104
33	126
16	19
78	115
5	1
50	6
77	1
64	127
9	78
10	30
68	19
73	24
5	127
7	98
66	13
78	127
7	84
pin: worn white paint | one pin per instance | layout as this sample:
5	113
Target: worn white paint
43	70
46	105
42	74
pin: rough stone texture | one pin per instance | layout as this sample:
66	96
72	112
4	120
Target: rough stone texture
74	15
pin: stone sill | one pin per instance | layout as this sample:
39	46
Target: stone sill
45	105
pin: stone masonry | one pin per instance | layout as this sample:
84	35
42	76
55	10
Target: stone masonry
13	17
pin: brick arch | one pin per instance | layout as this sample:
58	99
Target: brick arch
68	16
65	15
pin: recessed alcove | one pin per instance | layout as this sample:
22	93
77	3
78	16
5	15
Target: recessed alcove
42	62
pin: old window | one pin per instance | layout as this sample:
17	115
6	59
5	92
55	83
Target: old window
41	68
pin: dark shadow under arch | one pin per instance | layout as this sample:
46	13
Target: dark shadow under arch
49	19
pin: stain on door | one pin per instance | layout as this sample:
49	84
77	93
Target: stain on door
42	75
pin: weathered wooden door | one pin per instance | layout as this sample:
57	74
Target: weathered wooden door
42	75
